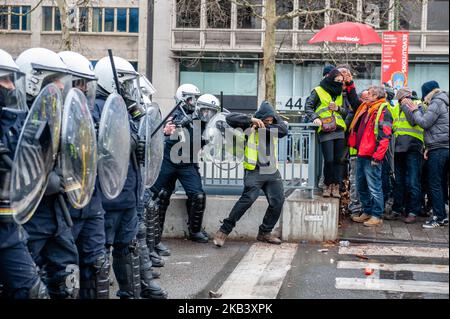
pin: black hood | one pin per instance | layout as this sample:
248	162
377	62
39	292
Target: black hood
265	110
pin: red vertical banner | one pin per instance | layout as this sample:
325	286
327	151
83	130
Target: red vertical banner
394	59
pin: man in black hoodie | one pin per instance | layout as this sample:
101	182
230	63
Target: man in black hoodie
261	172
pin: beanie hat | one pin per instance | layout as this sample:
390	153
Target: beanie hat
327	69
427	87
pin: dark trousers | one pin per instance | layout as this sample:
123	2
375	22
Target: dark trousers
407	192
254	182
121	227
333	151
437	161
18	271
89	235
187	174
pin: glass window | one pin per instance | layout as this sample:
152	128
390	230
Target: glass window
348	6
419	73
218	13
83	25
97	19
245	17
311	21
283	7
133	20
57	20
15	18
188	13
376	13
26	18
3	18
437	15
47	13
109	20
134	64
121	19
408	15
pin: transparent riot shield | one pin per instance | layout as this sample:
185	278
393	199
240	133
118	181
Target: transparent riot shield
225	144
78	151
154	146
113	146
35	153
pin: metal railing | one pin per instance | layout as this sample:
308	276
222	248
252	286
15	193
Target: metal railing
297	163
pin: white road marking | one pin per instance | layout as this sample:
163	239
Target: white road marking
392	285
443	269
385	250
260	272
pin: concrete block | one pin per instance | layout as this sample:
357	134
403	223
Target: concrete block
217	209
314	219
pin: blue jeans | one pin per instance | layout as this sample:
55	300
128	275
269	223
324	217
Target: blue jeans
369	186
407	192
437	160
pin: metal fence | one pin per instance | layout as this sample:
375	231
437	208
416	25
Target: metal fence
298	159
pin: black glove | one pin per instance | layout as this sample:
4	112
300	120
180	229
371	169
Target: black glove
55	183
140	152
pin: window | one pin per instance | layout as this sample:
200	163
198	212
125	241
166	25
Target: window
3	18
97	20
188	13
245	17
83	25
26	18
47	20
109	20
408	15
218	13
15	18
282	8
121	20
311	21
437	15
376	13
57	20
348	7
133	20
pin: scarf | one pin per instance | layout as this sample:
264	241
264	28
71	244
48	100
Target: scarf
369	107
332	87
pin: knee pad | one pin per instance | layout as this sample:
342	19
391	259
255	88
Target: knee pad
38	290
164	198
101	270
198	201
142	230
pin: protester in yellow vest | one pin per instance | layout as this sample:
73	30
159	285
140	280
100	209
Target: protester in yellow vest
408	161
261	171
324	108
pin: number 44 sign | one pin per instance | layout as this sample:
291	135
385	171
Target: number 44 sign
290	103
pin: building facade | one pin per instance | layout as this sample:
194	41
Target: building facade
220	48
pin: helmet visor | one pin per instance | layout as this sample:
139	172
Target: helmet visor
12	91
88	87
62	80
131	90
206	112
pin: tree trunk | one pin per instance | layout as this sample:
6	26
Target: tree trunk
65	30
271	19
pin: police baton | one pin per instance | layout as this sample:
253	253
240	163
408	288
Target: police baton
113	66
165	119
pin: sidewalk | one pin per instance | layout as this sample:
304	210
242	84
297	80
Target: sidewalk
396	231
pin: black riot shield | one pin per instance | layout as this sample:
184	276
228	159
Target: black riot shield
78	152
154	146
35	153
113	146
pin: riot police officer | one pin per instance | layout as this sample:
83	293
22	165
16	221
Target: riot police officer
18	272
51	242
121	219
89	222
182	165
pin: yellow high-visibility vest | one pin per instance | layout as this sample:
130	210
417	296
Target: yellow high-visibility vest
251	151
323	111
401	125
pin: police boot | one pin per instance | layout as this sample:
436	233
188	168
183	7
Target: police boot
196	210
65	284
157	260
98	285
126	269
149	289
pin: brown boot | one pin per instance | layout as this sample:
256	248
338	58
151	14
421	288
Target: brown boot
219	238
268	238
335	191
326	191
361	219
373	221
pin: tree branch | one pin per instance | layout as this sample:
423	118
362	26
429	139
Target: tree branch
253	7
303	12
23	14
